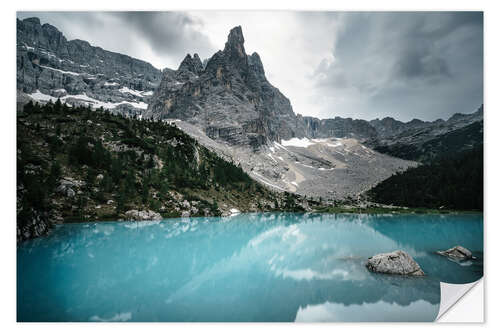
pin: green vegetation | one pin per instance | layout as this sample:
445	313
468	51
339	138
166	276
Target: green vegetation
75	164
452	183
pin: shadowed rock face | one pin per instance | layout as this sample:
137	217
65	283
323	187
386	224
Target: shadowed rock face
191	64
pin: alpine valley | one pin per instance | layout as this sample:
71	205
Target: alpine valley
102	135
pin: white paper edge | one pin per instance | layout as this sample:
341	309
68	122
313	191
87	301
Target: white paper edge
461	302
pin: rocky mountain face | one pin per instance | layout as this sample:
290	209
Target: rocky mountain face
339	128
50	67
229	98
389	126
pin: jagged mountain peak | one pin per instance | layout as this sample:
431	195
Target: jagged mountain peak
235	38
33	20
192	64
234	48
415	121
255	62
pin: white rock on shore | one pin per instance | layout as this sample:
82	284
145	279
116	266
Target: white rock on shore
230	212
142	215
397	262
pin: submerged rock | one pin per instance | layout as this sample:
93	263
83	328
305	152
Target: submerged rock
142	215
457	252
397	262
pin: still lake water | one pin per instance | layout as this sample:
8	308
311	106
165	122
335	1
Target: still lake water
250	267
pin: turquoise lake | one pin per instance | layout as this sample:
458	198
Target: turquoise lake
249	267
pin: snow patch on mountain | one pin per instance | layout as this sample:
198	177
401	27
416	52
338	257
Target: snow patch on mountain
60	71
84	99
126	90
296	142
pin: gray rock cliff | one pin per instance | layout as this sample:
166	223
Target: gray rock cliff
50	67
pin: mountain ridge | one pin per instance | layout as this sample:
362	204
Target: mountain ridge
49	37
50	67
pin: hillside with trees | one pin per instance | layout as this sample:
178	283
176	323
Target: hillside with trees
75	164
451	182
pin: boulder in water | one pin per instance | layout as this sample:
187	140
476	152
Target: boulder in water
457	252
397	262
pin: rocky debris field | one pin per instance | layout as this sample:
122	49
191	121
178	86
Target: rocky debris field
333	168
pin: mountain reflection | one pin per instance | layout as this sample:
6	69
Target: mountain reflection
250	267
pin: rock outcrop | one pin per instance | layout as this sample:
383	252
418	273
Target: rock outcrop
397	262
457	252
142	215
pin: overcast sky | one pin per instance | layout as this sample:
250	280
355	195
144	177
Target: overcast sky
425	65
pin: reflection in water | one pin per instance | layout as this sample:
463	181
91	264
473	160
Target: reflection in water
379	311
250	267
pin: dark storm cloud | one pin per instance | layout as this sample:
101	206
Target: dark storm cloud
168	32
425	64
168	35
